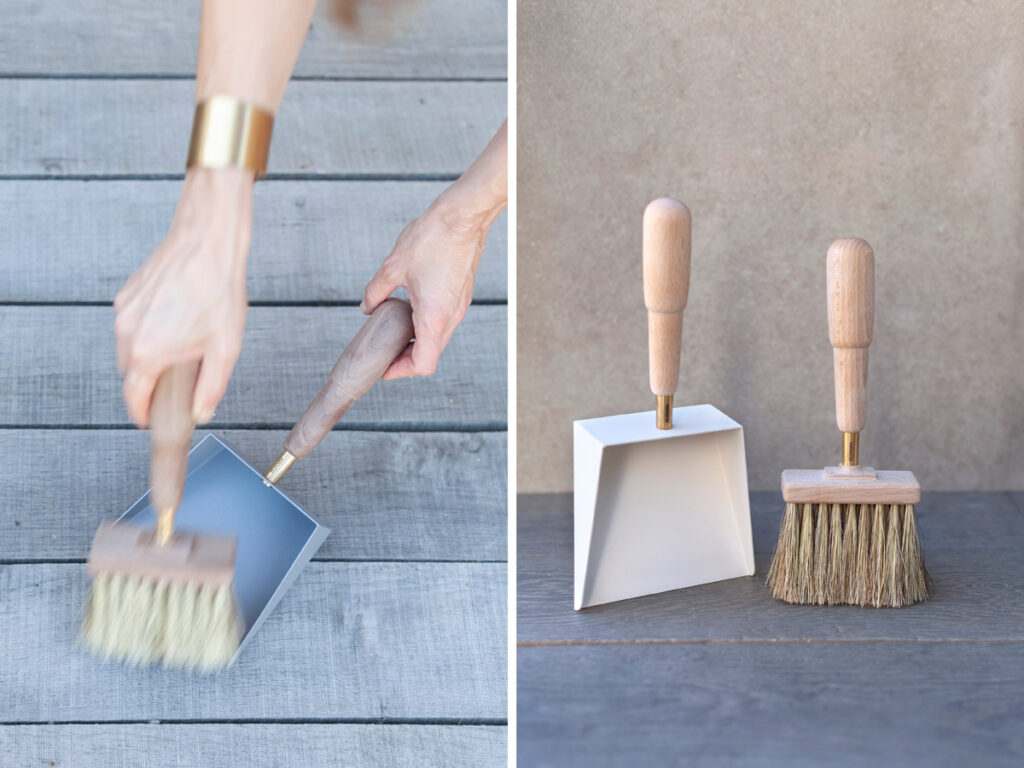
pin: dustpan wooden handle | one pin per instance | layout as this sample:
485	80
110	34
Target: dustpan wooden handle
666	254
850	281
170	431
381	339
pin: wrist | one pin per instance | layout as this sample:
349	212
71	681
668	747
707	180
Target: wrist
468	206
227	184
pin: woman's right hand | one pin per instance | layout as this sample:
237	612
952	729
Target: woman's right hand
188	300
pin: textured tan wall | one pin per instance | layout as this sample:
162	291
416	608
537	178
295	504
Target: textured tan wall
783	126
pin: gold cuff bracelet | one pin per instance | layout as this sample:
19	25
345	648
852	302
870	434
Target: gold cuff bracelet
228	133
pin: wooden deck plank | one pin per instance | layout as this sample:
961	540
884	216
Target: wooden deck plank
142	127
280	746
442	38
977	596
78	241
370	641
385	495
792	704
58	366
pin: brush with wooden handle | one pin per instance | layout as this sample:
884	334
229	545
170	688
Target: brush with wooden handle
666	268
849	534
166	595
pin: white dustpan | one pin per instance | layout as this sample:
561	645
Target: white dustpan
661	497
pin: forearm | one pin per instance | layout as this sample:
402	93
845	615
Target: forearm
481	193
248	48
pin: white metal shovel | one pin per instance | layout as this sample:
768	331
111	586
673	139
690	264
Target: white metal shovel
660	497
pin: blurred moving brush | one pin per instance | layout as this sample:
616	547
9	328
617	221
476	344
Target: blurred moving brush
164	595
848	534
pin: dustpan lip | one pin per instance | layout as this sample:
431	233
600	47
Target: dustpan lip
639	426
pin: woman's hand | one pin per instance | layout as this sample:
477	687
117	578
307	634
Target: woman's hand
188	301
436	258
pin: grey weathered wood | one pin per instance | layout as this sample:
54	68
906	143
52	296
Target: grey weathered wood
57	365
349	640
263	745
792	704
68	127
977	595
440	38
961	521
79	241
385	495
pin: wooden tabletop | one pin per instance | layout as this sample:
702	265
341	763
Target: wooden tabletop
722	675
390	649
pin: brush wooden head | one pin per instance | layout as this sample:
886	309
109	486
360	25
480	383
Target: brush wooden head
129	550
850	485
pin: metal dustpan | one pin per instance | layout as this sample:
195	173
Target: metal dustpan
660	497
225	495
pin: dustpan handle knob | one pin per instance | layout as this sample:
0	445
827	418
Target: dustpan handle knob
850	281
383	337
666	255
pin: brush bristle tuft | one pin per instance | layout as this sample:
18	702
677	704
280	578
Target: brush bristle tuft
149	621
849	554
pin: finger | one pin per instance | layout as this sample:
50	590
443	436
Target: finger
426	351
124	352
379	288
401	366
138	387
214	375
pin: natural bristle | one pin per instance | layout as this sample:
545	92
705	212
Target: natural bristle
849	554
147	621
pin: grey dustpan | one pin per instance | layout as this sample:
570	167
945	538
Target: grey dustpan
225	495
276	538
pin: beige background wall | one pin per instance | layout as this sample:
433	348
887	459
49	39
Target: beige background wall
783	125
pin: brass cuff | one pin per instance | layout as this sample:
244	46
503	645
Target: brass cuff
228	133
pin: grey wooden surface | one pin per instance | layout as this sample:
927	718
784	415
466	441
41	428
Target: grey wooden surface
721	675
313	242
390	649
61	128
58	364
249	744
425	39
385	495
371	641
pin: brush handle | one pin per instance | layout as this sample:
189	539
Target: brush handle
666	253
850	280
170	431
381	339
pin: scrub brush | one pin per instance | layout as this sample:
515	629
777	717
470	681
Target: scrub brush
849	536
161	595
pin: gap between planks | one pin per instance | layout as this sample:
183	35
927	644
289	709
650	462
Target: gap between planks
459	721
764	641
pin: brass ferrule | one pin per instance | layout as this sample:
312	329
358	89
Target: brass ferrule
229	133
664	411
851	449
164	526
282	465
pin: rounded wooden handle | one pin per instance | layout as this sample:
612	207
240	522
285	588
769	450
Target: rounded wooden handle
381	339
666	252
170	431
850	279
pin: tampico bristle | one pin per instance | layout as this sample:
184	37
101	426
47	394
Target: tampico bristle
849	554
145	621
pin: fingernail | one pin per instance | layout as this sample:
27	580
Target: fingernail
362	306
205	418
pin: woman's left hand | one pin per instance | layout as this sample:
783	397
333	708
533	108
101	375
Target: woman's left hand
436	258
